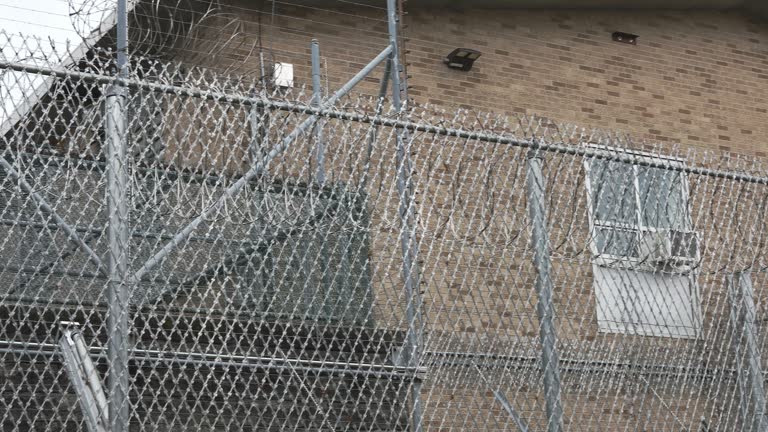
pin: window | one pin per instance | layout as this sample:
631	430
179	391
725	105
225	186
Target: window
644	249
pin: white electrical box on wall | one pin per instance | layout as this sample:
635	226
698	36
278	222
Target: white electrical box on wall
283	74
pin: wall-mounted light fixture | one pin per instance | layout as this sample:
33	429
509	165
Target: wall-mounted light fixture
627	38
462	58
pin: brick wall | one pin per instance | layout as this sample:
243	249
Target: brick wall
694	78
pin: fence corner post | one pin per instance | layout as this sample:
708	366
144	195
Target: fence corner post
118	287
411	352
545	306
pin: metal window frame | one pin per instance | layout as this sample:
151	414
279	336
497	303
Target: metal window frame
638	226
636	264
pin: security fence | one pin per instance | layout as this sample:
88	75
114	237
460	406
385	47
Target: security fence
293	264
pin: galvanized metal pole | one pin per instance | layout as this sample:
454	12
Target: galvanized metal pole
258	117
383	86
317	98
747	352
317	102
255	119
84	378
411	352
544	307
117	202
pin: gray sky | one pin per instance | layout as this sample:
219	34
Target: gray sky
55	19
40	32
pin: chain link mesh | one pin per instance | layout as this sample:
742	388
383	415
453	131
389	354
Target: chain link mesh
285	307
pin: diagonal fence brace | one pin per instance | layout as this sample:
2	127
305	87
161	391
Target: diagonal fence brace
514	415
45	208
84	377
233	190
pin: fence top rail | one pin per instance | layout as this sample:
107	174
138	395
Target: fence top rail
536	145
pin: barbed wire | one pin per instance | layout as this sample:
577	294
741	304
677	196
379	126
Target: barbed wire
203	29
295	287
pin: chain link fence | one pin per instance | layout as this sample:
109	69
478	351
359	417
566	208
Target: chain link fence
432	271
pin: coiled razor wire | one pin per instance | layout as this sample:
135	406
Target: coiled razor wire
285	308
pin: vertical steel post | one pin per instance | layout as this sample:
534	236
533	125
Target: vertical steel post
258	117
383	86
747	353
410	355
255	118
317	98
544	307
117	203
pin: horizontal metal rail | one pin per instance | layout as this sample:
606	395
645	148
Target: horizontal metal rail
225	360
559	148
205	359
82	274
136	234
156	308
171	173
470	359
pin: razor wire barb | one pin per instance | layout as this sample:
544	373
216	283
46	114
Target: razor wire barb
569	279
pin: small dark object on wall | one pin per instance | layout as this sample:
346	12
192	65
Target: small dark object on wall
462	58
627	38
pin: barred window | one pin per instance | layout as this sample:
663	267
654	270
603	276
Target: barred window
644	248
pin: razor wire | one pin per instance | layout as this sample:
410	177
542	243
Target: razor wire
285	307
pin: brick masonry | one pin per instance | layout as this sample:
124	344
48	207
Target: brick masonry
695	78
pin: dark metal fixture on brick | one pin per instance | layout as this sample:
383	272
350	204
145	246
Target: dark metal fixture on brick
462	58
627	38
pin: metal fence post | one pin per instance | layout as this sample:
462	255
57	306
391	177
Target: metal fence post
544	307
117	290
373	132
117	207
747	353
256	120
410	355
317	97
